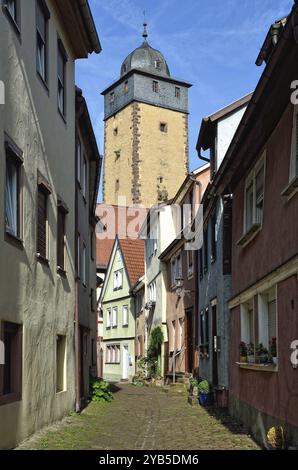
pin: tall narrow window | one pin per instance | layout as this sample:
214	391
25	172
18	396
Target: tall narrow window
114	317
125	315
62	60
109	319
177	92
61	222
13	192
11	371
84	265
201	263
112	97
213	237
79	256
85	177
155	86
42	16
42	221
126	86
206	250
60	364
254	196
79	160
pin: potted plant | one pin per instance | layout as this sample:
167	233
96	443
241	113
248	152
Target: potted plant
273	350
243	351
205	397
194	387
262	354
251	353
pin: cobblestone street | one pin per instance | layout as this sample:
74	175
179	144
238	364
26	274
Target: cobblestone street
144	418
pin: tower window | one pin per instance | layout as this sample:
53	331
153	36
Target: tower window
177	92
118	154
158	64
117	185
112	97
163	127
160	180
115	131
126	87
124	68
155	86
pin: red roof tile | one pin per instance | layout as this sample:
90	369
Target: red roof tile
133	254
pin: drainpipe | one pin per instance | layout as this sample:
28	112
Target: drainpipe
205	159
77	349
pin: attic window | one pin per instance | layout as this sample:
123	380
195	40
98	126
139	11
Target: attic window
158	64
177	92
112	97
124	68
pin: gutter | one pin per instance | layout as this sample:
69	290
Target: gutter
89	21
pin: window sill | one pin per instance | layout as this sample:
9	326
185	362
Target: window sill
14	240
291	189
62	116
61	271
112	363
10	398
250	235
42	260
43	82
258	367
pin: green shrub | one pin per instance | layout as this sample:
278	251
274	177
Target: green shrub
204	386
194	382
100	391
156	341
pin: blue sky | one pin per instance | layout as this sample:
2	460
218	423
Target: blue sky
213	44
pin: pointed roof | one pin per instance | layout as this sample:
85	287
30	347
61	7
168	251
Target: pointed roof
133	255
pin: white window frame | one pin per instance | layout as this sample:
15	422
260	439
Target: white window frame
114	317
176	268
109	318
245	310
251	179
124	320
264	299
118	279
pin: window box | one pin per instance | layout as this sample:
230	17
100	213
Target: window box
258	367
291	188
250	235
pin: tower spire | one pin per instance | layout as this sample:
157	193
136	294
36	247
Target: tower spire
145	24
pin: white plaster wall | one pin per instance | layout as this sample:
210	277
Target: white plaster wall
226	129
30	293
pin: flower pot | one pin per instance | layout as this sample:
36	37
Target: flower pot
263	359
206	399
243	359
195	391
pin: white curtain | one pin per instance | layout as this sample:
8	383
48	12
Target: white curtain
11	199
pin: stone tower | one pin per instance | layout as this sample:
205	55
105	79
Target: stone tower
146	130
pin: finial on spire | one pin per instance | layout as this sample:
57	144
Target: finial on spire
145	24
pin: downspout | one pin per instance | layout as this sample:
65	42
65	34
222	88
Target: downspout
76	310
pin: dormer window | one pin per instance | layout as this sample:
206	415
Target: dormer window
112	97
124	68
157	64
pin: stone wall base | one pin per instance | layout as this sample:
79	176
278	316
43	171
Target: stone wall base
259	423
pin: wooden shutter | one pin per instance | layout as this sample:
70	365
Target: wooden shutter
227	237
42	223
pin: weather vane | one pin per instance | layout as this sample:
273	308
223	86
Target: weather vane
145	33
